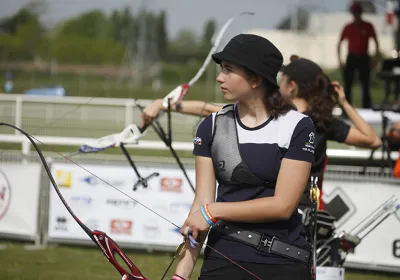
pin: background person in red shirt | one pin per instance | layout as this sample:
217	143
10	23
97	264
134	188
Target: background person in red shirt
357	33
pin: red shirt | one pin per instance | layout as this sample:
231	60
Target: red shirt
358	36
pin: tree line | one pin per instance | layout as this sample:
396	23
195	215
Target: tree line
94	37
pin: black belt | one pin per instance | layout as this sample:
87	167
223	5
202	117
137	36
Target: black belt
263	243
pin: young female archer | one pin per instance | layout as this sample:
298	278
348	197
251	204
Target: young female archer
258	150
305	83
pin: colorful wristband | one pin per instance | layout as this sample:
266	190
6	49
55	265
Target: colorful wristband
209	214
205	216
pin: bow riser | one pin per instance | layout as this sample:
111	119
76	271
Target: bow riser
109	248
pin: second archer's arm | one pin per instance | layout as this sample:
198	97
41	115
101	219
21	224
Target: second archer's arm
190	107
195	107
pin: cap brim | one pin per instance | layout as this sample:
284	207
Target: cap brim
224	56
220	56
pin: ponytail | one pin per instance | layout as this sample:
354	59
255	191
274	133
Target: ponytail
321	98
275	103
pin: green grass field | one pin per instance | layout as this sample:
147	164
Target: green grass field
75	263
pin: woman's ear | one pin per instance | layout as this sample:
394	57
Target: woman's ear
256	81
292	88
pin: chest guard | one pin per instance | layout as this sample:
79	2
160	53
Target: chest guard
229	166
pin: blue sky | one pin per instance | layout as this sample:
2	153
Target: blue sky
186	13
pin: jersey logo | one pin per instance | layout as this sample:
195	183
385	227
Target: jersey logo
197	141
220	166
312	138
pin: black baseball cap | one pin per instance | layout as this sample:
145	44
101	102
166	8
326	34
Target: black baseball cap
255	53
302	71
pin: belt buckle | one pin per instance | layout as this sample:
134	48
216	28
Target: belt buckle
267	243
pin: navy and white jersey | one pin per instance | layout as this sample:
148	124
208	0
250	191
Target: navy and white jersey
262	148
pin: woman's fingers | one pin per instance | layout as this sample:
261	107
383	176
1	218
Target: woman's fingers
195	234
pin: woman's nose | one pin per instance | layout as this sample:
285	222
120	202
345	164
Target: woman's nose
220	78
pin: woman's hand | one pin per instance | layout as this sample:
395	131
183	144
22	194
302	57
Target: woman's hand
339	91
151	111
196	224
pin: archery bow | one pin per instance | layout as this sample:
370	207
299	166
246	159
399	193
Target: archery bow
175	96
106	244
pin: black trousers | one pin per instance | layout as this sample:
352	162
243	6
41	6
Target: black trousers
214	268
362	64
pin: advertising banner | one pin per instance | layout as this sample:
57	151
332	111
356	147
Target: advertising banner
19	198
97	199
353	201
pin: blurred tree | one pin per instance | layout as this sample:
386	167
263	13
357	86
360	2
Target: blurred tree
208	32
185	48
162	35
84	50
122	25
10	24
21	33
92	24
29	36
186	39
37	7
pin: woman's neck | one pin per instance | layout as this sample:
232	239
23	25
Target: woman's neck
301	104
252	111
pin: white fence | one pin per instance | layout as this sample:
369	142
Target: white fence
81	116
73	121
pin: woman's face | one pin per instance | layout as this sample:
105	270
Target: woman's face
287	88
234	82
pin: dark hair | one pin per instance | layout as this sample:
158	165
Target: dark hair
293	57
275	103
321	98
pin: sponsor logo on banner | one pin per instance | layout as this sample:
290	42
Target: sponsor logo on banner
339	205
81	200
121	226
151	230
94	181
63	178
396	248
61	224
5	194
173	184
127	203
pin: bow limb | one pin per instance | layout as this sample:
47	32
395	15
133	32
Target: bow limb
177	94
108	246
